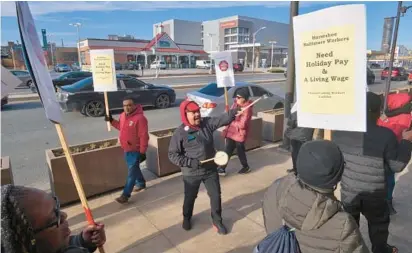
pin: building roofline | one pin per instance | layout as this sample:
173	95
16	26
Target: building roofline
135	40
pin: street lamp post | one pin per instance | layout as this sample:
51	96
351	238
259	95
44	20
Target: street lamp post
271	57
51	48
12	57
210	54
78	25
253	47
401	10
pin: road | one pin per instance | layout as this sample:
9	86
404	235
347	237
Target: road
26	133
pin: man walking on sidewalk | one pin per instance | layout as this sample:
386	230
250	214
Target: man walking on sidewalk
368	156
191	143
236	133
134	138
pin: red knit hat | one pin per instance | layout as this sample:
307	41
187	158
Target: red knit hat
188	106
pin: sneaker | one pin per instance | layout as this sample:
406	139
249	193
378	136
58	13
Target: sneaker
244	170
122	199
220	228
187	225
221	171
138	188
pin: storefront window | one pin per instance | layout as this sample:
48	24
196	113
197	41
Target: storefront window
233	30
227	31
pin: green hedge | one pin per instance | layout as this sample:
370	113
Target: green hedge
274	70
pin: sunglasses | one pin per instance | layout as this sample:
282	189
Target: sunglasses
54	223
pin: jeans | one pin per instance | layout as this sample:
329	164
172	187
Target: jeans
134	176
212	184
390	180
241	151
376	213
295	151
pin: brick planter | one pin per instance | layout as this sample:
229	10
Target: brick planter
6	172
272	121
158	153
101	167
254	137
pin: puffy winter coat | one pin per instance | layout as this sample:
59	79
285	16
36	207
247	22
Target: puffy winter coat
320	222
400	122
369	158
294	132
133	129
238	129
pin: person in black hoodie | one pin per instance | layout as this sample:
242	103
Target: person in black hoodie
368	158
31	221
191	143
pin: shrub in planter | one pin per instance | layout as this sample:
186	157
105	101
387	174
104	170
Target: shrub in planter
254	137
158	153
6	172
275	70
272	124
100	165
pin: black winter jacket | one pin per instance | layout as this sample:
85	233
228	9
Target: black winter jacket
189	145
78	245
302	134
369	158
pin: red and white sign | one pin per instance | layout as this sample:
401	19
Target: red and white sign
224	69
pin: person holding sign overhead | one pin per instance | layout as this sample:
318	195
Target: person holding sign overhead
191	144
134	138
237	131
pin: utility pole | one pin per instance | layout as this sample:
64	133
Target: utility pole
253	46
290	82
271	57
12	57
78	25
210	53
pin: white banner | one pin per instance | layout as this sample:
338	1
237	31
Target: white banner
224	69
36	63
103	69
330	56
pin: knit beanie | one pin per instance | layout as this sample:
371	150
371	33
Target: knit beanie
320	164
243	92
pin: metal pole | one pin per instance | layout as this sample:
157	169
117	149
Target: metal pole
290	82
210	54
12	57
253	53
271	58
78	47
395	38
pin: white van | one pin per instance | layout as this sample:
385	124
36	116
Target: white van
203	64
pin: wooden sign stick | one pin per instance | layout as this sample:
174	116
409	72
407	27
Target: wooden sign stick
106	104
226	100
76	178
327	135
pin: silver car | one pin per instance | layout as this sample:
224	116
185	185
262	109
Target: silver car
211	99
24	76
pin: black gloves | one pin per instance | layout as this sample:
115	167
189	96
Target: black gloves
108	117
142	158
194	164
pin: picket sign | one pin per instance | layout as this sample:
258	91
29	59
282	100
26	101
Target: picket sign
36	65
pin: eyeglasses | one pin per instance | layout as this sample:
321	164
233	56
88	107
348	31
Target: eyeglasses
54	223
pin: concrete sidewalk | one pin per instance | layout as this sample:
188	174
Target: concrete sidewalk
151	222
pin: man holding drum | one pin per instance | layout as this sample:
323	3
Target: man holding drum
192	144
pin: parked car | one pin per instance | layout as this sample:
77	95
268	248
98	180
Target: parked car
203	64
62	68
4	100
370	76
375	66
75	66
398	74
238	67
118	66
24	76
81	97
70	77
211	99
130	66
158	64
410	78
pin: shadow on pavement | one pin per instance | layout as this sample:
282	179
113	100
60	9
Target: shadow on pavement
22	106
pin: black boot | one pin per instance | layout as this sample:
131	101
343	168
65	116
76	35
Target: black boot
187	225
392	210
220	228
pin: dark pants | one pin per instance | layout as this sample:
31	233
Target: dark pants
212	184
134	175
241	151
295	151
390	180
377	214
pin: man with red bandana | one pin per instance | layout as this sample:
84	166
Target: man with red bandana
191	143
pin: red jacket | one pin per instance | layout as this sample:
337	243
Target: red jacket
133	129
397	123
238	129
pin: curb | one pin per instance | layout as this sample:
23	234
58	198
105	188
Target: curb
35	97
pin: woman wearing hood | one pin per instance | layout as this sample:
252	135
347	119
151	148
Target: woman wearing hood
307	203
191	143
397	118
